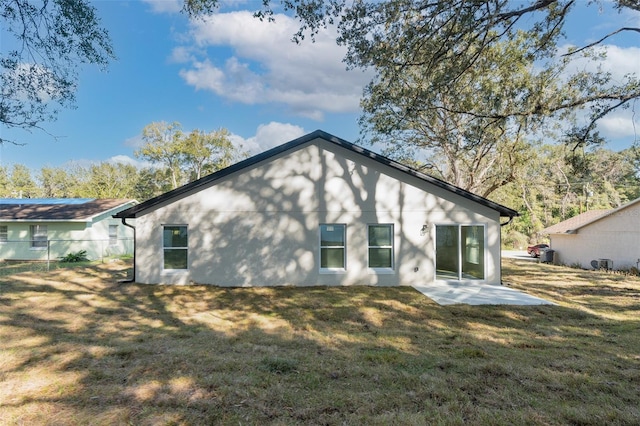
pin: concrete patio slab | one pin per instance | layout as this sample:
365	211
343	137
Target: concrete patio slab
448	293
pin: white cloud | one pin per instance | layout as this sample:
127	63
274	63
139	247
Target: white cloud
620	124
134	142
269	136
267	67
235	81
125	159
620	62
631	18
180	55
165	6
25	80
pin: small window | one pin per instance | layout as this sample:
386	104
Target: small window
4	234
38	236
175	245
113	235
332	247
381	246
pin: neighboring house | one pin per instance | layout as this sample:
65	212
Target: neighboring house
49	228
611	238
317	211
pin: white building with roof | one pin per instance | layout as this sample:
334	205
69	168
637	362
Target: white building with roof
317	210
599	238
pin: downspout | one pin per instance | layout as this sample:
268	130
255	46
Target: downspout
133	278
501	225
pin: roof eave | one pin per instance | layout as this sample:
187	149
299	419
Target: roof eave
107	211
504	211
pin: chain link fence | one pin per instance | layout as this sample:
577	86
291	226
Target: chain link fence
41	254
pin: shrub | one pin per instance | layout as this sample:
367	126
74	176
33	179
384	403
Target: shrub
79	256
279	365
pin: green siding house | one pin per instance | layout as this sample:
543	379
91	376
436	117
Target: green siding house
49	228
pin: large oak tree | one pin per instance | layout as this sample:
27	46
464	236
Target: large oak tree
467	79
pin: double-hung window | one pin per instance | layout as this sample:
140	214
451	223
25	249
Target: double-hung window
380	246
38	236
175	246
333	247
4	233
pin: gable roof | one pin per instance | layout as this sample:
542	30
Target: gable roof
143	208
57	209
572	225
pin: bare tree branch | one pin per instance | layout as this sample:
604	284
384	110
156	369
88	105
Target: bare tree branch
540	4
573	52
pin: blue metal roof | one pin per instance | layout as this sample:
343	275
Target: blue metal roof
46	201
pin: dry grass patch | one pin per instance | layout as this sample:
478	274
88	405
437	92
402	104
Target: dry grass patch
80	348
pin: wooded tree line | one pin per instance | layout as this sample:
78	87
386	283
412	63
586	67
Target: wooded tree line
174	158
557	183
553	184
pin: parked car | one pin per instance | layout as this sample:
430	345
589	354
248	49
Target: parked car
534	251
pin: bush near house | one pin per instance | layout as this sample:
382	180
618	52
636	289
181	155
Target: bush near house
79	256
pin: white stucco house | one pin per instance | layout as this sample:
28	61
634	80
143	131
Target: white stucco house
317	211
604	238
49	228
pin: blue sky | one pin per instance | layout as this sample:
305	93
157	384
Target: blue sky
234	72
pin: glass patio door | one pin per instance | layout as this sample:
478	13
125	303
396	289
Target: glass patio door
460	252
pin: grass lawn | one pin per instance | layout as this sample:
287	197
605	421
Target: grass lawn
77	347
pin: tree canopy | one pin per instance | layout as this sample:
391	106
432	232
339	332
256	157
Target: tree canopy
467	82
185	158
43	44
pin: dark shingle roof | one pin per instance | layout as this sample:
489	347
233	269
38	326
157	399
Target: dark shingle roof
142	208
71	211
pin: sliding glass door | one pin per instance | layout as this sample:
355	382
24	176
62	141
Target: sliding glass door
447	253
460	252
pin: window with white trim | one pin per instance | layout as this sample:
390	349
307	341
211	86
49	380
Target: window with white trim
4	233
113	235
380	237
39	236
333	247
175	246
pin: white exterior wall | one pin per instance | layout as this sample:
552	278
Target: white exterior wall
615	237
260	227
